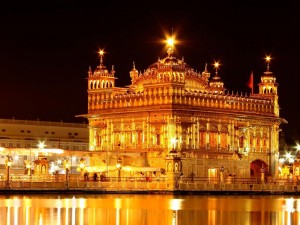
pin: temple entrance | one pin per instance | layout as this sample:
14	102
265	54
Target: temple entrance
258	167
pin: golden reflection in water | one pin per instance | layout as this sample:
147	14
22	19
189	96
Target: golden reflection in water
149	210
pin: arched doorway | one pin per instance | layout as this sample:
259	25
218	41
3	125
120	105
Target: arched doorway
257	167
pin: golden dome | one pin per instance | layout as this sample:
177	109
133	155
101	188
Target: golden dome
171	70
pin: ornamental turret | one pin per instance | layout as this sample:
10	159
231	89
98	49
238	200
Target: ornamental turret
268	86
216	84
134	74
100	85
101	78
205	74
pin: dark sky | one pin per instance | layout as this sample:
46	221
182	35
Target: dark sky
46	49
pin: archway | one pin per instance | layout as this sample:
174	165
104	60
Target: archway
257	166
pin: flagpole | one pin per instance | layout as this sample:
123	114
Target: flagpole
252	82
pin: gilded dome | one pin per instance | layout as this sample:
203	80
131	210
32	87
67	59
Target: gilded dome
173	71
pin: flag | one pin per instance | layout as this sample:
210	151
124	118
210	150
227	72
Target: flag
250	82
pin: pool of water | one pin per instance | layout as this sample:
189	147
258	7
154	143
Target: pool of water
151	209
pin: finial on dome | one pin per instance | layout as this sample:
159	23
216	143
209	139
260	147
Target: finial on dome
90	71
170	43
101	53
216	64
268	59
205	69
133	64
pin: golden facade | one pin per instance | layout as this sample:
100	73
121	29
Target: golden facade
181	121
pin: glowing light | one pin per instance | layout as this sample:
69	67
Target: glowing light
173	142
288	155
281	160
41	145
175	204
16	157
171	42
268	58
67	165
81	164
101	52
289	205
28	165
216	64
41	219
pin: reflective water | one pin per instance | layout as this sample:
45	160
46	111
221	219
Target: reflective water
149	210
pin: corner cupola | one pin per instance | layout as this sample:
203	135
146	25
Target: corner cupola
101	78
268	85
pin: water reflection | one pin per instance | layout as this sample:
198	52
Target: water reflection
149	210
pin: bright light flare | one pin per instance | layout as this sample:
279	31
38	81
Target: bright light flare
170	42
268	58
41	145
288	155
101	52
216	64
173	142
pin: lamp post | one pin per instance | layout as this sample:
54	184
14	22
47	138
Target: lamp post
8	163
28	167
81	166
67	167
222	174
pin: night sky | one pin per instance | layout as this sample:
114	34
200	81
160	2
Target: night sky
47	48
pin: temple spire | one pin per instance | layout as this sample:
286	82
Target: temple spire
101	53
268	59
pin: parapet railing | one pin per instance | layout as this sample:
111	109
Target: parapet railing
159	183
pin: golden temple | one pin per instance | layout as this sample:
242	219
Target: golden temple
176	121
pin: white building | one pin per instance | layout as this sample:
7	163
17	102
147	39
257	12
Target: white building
20	139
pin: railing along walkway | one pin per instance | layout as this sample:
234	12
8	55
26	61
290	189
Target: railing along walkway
197	184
